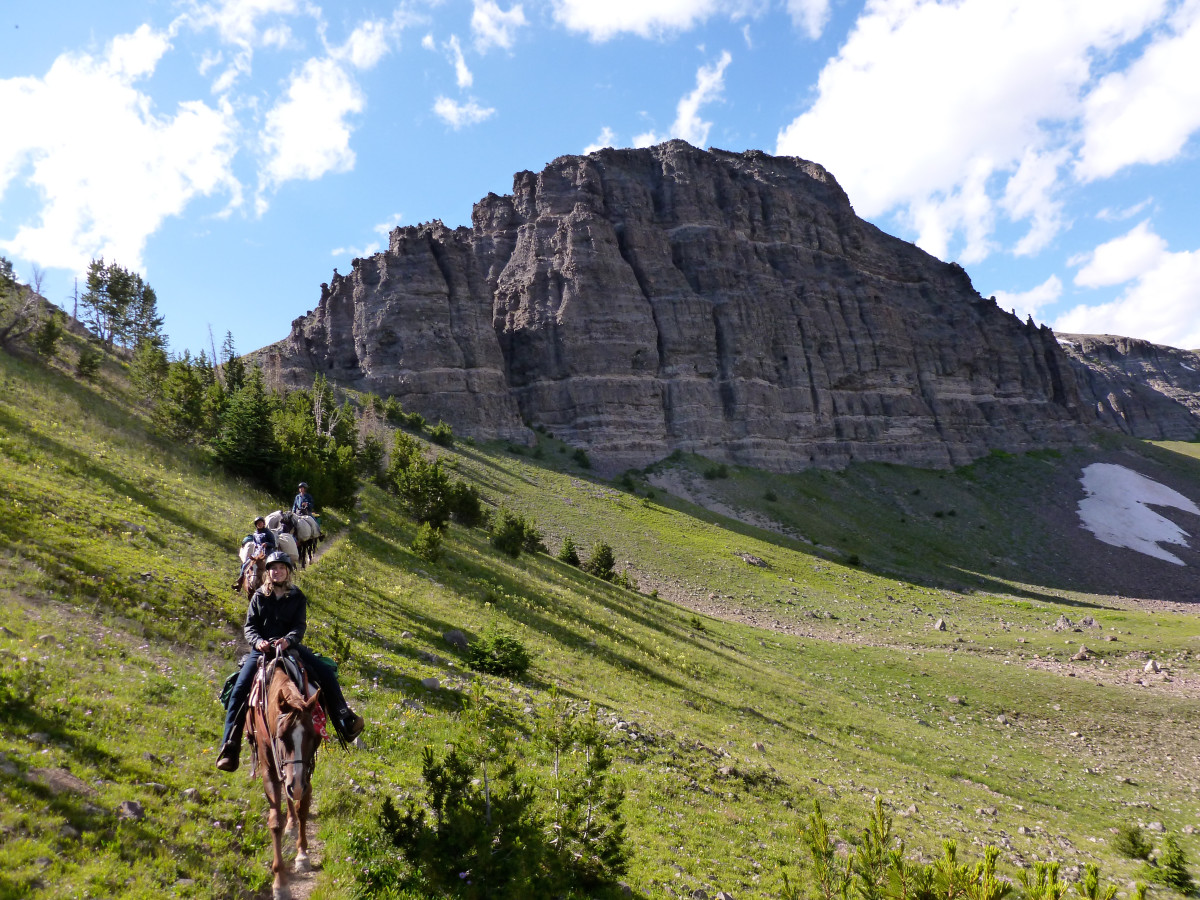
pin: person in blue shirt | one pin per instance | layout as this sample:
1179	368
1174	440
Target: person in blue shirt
304	504
278	616
262	538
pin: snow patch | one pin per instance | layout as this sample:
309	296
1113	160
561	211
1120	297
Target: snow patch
1117	510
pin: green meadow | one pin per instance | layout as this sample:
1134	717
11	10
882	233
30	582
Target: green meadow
782	646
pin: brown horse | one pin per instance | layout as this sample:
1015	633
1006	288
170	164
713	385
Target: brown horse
256	572
284	741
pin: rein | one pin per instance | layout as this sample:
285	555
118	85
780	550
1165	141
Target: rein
275	744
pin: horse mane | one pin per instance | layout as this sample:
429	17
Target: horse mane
287	694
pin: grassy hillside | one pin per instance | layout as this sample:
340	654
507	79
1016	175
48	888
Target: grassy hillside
731	698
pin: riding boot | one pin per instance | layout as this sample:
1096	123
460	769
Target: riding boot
231	750
231	745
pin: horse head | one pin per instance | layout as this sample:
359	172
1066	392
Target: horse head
296	740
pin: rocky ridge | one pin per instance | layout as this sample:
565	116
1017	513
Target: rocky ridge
1144	389
635	302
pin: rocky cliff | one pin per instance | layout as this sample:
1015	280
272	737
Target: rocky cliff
636	302
1144	389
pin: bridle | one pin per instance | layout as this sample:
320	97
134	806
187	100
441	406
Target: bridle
277	746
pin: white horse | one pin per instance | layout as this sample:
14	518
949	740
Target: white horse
305	529
287	543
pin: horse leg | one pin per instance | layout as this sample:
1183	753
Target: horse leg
279	888
300	810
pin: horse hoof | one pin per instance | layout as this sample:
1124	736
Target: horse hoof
290	828
281	893
302	865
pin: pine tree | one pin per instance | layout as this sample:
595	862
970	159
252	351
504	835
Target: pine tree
601	562
148	370
179	411
569	552
120	307
246	443
45	340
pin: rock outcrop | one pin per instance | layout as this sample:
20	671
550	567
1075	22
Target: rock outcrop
636	302
1146	390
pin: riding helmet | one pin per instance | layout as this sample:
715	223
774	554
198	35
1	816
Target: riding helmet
304	484
279	557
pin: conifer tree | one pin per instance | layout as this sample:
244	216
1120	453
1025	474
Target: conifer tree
246	443
179	411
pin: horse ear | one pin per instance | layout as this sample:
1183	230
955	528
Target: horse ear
310	705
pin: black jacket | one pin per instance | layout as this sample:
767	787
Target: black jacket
270	618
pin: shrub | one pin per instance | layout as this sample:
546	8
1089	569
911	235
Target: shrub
442	434
370	457
508	533
483	840
531	540
465	504
1131	843
770	496
393	412
404	451
88	364
498	653
425	491
1172	870
46	338
415	421
428	543
581	458
718	470
601	562
569	552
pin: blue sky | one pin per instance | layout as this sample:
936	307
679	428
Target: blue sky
236	151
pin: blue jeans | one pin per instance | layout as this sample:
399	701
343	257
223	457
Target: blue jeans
318	672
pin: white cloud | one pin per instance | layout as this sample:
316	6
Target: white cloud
606	138
306	133
1147	112
1109	214
710	83
1027	303
428	43
809	15
493	27
110	167
366	46
458	115
931	107
240	23
1161	305
647	18
1030	194
383	229
1123	259
462	75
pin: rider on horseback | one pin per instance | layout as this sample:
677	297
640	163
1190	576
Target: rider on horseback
278	616
304	504
264	544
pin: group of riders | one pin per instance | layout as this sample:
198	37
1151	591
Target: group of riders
275	624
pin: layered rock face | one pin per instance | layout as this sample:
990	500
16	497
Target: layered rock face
1146	390
636	302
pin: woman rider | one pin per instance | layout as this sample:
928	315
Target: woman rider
278	617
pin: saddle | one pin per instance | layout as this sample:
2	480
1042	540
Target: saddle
295	670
